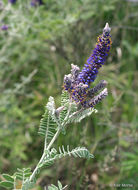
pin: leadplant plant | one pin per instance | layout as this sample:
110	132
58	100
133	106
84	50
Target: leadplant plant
53	122
77	102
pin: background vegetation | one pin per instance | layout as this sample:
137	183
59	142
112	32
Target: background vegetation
35	53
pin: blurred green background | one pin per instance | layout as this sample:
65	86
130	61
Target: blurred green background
35	53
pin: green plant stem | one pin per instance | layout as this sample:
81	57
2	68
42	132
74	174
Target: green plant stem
45	144
54	138
67	116
44	154
48	147
36	168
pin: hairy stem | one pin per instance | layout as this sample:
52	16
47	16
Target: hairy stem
36	170
37	167
44	154
54	138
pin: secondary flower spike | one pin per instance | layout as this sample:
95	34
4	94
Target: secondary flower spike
78	82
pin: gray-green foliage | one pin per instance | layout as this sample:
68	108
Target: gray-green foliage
47	126
8	182
18	180
59	187
51	156
52	123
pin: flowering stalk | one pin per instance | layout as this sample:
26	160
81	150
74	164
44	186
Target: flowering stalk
78	82
97	58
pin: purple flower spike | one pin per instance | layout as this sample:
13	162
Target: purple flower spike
97	58
34	3
96	99
78	82
12	1
4	27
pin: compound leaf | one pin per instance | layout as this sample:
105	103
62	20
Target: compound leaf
6	184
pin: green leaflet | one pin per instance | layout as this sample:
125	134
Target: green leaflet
22	174
80	114
17	179
59	185
6	184
53	155
47	126
28	185
65	103
81	152
53	187
64	97
74	114
8	177
69	108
